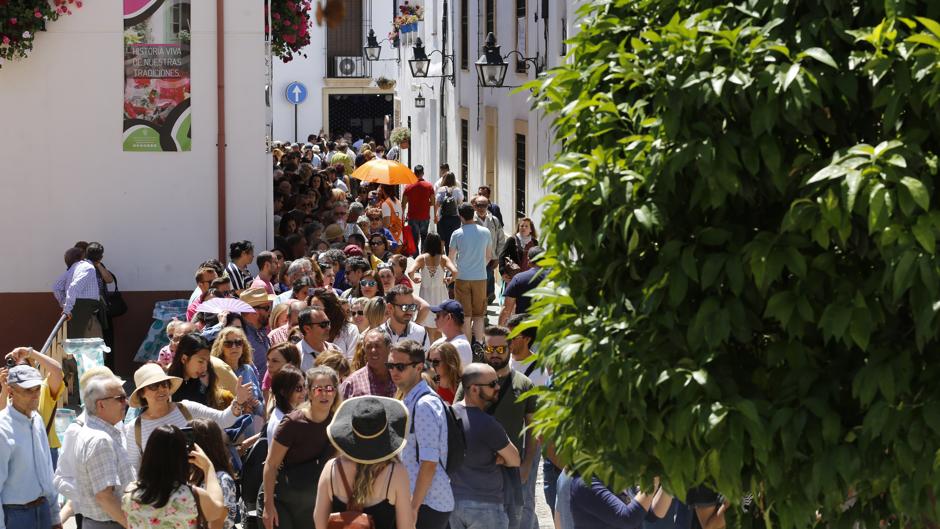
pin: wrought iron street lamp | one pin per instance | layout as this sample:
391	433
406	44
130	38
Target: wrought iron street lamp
420	63
492	66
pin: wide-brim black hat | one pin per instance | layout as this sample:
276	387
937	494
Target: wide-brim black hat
369	429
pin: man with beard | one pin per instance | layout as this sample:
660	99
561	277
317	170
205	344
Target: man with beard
479	483
401	308
514	415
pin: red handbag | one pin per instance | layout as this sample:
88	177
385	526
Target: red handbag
408	245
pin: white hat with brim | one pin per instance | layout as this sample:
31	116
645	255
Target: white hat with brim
151	374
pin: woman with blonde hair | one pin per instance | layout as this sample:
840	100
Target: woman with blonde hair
278	315
445	363
298	452
357	312
369	433
336	361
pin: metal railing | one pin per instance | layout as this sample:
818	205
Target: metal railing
54	349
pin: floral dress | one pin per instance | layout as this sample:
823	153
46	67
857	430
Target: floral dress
230	495
179	512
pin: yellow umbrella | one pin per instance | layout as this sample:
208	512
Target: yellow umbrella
385	172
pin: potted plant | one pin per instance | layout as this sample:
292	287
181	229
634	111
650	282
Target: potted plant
21	21
401	136
385	83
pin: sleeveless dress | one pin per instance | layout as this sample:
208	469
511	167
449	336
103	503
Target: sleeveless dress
383	512
180	511
433	290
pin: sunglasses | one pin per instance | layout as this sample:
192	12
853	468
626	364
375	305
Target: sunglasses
407	307
299	388
376	243
399	366
497	349
120	398
492	385
157	385
434	362
321	324
237	342
481	206
357	313
323	389
367	283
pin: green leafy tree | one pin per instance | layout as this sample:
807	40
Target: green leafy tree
742	228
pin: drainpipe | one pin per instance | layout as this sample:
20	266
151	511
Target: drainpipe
220	141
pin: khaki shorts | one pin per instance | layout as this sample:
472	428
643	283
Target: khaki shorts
472	295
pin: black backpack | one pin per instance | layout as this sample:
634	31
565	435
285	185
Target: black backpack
456	440
449	204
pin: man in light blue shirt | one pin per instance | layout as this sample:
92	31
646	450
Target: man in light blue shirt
425	453
471	248
26	489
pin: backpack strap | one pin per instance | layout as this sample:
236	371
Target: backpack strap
530	369
138	436
504	388
49	422
414	415
186	415
350	503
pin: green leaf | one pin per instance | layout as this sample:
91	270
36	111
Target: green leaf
923	232
918	191
822	56
791	75
903	276
827	173
930	24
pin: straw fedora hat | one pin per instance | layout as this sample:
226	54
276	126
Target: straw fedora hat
369	429
256	296
151	374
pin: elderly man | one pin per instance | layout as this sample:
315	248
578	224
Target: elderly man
298	269
103	469
256	325
374	378
26	490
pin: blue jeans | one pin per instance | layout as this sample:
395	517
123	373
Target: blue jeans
529	519
550	482
563	501
478	515
490	283
35	517
419	230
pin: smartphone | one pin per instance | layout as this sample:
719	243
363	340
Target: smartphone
190	438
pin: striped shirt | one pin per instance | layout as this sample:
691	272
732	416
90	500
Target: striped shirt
80	282
239	278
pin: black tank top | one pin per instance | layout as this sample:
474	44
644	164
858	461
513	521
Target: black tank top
383	512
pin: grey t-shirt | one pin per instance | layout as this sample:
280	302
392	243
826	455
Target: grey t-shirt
479	477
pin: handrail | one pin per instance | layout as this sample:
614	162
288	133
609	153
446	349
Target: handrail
53	334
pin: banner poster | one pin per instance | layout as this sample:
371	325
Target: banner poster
156	76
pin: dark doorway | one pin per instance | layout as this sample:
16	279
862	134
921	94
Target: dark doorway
360	114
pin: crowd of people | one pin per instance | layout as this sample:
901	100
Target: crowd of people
355	378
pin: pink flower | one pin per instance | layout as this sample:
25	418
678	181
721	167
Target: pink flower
6	40
37	14
78	4
13	21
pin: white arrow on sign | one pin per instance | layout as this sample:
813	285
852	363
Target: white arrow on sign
296	93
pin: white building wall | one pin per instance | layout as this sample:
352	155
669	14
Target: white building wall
66	178
312	72
503	106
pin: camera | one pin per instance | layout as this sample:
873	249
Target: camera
11	362
190	437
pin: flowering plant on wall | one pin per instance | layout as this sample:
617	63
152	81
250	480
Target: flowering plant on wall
290	28
407	21
21	20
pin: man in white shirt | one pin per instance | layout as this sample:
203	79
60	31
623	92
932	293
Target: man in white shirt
401	308
449	318
315	326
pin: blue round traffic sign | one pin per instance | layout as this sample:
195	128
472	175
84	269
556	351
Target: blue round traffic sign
296	93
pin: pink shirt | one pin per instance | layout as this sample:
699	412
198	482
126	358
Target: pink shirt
261	283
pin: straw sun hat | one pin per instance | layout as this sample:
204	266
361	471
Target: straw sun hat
151	374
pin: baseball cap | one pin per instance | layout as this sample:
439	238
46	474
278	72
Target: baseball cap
24	376
450	306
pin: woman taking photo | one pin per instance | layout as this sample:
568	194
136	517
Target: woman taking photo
192	364
516	249
208	436
445	362
233	348
154	389
369	433
297	453
162	498
449	196
289	392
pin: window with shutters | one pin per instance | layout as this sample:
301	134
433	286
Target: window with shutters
465	34
520	177
464	155
521	36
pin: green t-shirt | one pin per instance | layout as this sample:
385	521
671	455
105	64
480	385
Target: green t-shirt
509	411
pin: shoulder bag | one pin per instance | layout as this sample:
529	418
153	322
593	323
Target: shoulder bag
115	301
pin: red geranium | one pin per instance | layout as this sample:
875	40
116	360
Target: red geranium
20	22
290	22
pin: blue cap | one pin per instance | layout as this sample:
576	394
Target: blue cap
450	306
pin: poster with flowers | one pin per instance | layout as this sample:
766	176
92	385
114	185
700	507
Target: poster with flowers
157	113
